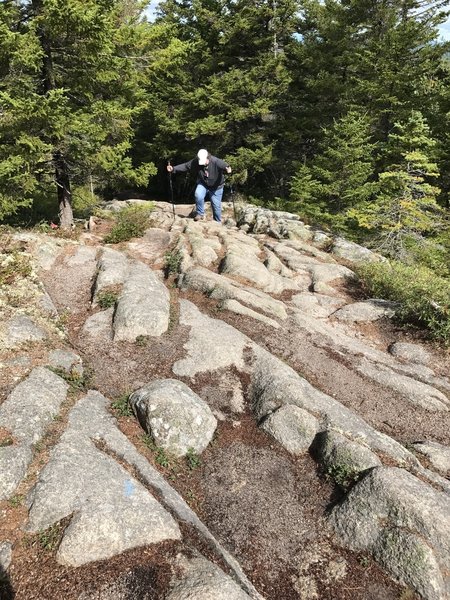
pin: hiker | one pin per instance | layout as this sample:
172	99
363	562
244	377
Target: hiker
210	180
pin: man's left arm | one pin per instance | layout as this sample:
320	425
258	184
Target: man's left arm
223	165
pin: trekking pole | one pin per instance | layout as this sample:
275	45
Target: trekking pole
171	190
234	204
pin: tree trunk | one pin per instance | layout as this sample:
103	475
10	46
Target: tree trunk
62	178
63	189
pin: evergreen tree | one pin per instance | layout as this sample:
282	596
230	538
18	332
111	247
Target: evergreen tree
441	126
379	57
396	59
405	208
235	79
70	91
339	176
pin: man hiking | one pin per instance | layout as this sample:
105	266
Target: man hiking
209	171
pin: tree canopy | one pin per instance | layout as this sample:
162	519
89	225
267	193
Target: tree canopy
338	109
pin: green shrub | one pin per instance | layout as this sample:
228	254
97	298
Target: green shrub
173	261
344	475
193	459
106	299
431	253
77	381
132	221
424	297
49	539
84	202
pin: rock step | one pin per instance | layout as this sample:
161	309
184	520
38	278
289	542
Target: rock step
26	413
143	306
221	288
112	270
112	511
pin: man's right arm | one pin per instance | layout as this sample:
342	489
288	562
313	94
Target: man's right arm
182	168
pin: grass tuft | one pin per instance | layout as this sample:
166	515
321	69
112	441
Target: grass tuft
122	406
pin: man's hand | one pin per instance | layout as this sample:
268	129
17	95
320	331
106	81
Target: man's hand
228	169
170	168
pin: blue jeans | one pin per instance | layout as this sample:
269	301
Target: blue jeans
215	196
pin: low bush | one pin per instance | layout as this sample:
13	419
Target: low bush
122	406
424	297
173	262
107	298
132	221
431	253
14	266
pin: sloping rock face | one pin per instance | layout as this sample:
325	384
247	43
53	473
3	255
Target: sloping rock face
406	526
25	414
248	386
112	512
143	306
22	329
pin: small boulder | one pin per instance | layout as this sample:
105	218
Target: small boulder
297	230
353	252
366	311
200	579
316	305
98	327
411	353
405	523
343	459
321	239
294	427
175	416
437	454
67	360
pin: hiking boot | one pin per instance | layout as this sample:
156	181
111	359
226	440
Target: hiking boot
199	218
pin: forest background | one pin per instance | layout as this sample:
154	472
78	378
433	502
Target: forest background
338	110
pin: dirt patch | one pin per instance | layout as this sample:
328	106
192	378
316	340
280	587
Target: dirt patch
122	367
268	509
143	573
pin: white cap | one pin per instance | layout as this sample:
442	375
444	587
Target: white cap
202	156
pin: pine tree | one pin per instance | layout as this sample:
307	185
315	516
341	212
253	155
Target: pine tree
396	59
339	176
441	126
405	208
70	91
233	81
380	57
